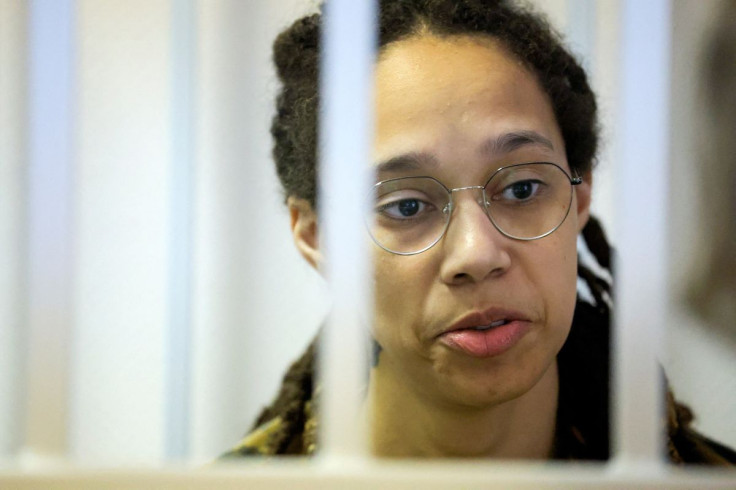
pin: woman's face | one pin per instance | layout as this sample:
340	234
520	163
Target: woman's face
457	109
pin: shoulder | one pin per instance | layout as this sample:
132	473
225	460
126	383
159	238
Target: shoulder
288	425
259	441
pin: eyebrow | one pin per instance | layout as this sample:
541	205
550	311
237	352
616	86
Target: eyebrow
508	142
505	143
407	161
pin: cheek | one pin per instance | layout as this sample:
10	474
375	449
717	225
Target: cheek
400	287
556	275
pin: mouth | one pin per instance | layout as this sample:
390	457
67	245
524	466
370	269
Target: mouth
486	320
497	323
486	333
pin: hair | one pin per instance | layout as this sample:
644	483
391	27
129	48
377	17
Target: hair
528	36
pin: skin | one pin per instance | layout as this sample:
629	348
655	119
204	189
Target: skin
446	98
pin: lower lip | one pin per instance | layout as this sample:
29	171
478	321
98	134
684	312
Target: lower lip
486	343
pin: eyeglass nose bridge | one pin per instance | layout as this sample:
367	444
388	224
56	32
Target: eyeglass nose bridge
481	200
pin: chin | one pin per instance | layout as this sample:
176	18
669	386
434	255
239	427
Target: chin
483	386
447	378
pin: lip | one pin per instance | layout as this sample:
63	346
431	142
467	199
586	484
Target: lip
462	337
486	317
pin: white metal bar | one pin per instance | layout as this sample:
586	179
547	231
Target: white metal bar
347	65
13	166
642	262
409	475
51	150
179	341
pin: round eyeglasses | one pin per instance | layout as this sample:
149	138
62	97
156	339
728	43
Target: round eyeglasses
525	201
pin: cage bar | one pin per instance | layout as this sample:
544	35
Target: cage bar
51	123
347	65
641	264
179	341
13	167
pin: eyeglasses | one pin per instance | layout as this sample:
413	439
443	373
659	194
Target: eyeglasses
526	201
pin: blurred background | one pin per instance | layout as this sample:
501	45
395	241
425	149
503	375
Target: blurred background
150	294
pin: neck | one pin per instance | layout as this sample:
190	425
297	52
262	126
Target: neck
407	425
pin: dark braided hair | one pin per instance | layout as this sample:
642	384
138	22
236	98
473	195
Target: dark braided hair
296	390
526	35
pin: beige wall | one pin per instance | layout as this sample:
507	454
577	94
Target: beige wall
701	359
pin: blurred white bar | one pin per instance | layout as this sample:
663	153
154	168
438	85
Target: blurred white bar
13	167
348	46
122	231
179	334
641	265
435	474
52	123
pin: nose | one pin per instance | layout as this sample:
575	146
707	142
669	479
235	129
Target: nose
473	248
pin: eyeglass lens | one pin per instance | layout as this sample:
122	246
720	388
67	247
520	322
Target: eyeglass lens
525	201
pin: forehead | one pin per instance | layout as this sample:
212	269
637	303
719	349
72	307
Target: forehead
443	95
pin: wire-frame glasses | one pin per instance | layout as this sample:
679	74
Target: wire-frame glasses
525	201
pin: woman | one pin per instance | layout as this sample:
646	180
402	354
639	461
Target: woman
485	139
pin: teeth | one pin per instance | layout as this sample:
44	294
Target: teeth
488	327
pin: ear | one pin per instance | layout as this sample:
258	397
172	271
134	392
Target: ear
582	198
304	230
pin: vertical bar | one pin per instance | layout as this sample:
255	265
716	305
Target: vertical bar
642	263
348	41
178	365
13	166
49	225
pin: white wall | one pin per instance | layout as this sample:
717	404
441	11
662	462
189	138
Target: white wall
122	195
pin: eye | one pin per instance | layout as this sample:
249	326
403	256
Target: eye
403	208
522	190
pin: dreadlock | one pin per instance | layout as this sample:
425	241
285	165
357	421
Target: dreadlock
290	404
600	288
